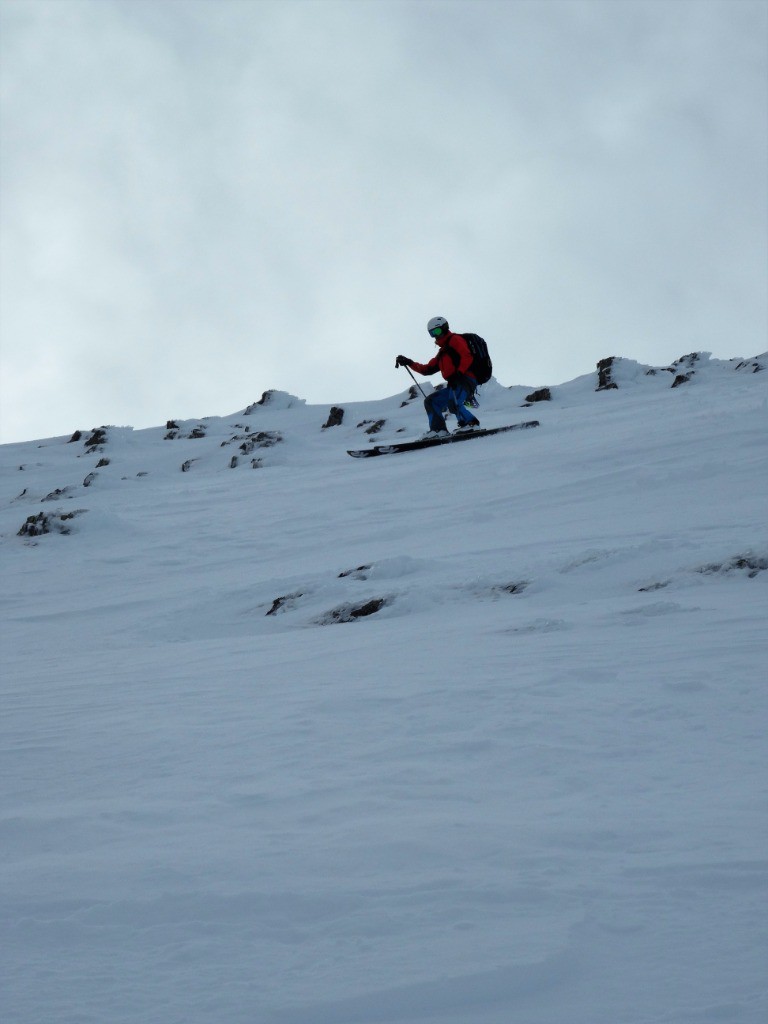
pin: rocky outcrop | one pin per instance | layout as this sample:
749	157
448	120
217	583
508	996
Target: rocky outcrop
352	612
752	365
49	522
60	492
747	565
175	433
542	395
335	417
605	381
373	426
360	573
97	439
285	602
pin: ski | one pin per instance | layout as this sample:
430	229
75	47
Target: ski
413	446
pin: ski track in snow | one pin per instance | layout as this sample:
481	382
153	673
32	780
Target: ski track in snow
466	736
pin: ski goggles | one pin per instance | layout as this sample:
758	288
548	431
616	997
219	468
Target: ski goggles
436	331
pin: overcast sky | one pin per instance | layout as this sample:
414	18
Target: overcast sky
201	200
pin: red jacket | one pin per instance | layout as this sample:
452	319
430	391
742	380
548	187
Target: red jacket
454	357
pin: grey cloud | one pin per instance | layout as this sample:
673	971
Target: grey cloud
200	201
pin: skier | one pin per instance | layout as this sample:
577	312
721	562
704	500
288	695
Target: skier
453	360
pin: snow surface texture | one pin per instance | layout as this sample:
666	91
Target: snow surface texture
474	735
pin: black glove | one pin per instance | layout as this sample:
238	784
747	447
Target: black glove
403	361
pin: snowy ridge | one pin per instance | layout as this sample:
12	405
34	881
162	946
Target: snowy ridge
243	440
471	736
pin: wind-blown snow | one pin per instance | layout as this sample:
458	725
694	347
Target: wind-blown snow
474	735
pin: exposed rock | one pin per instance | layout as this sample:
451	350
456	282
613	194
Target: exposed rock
97	439
413	392
747	565
604	381
374	426
285	602
684	363
542	395
48	522
351	612
511	588
359	573
60	492
267	398
185	466
688	361
266	439
89	479
196	433
77	436
750	565
101	463
249	441
750	364
35	526
335	417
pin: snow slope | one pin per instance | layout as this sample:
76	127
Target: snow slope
474	735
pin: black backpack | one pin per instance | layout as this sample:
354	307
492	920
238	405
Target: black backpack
482	367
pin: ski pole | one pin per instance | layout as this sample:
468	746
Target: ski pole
415	381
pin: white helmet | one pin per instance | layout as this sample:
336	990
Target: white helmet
437	325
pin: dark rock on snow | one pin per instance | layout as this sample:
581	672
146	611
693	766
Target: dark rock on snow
335	417
351	612
604	381
542	395
48	522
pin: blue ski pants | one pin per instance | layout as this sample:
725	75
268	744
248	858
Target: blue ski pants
451	398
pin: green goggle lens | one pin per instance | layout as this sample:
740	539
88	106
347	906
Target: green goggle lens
436	332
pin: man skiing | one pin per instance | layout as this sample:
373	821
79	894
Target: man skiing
453	360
